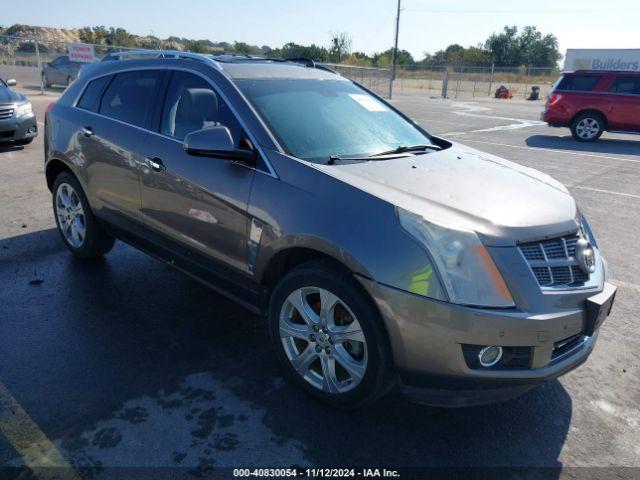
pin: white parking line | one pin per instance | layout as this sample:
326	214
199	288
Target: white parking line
552	150
599	190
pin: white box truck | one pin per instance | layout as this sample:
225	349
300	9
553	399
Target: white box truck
627	59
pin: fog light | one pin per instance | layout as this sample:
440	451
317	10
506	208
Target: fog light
490	355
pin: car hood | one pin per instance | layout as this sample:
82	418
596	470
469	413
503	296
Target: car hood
463	188
9	96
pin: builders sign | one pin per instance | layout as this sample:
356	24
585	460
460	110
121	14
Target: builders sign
81	52
602	59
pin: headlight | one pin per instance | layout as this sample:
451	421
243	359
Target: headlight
466	269
24	109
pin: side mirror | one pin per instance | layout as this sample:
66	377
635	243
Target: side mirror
11	82
216	142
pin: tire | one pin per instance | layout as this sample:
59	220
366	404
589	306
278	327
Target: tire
89	240
587	127
360	372
69	80
45	81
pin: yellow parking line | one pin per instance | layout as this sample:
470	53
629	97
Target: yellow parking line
36	450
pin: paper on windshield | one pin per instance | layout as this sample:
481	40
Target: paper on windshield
368	102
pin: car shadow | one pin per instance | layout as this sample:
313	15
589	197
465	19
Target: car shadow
10	147
36	88
602	145
82	338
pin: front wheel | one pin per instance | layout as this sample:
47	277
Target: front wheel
329	337
587	127
45	81
80	230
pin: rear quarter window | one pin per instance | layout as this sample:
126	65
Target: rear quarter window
90	99
578	83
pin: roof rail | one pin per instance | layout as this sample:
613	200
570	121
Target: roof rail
132	54
307	62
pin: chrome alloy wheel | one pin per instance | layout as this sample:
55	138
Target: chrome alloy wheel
70	214
587	128
323	340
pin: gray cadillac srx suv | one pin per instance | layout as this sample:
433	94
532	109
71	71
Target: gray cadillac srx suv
379	254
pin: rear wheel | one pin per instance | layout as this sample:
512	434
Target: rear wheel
81	232
328	336
587	127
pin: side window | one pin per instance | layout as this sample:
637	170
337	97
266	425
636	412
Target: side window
578	83
191	104
91	97
130	96
628	85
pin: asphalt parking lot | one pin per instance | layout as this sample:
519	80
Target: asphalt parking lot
126	363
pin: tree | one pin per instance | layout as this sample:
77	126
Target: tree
504	47
242	48
95	35
383	59
340	45
313	52
528	48
195	46
119	37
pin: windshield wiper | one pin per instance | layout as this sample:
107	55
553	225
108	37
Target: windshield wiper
337	158
407	148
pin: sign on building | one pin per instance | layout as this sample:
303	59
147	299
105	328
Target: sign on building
81	52
602	59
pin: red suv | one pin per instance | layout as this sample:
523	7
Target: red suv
590	102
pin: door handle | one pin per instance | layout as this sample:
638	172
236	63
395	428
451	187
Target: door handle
87	131
155	164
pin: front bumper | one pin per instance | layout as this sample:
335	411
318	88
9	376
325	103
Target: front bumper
16	129
427	338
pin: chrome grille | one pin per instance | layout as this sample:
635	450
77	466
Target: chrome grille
553	262
6	113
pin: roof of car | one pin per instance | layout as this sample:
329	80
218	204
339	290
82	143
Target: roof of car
276	70
239	67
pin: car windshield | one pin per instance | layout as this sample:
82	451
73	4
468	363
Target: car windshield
316	119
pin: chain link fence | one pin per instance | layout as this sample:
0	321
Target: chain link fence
375	79
26	60
472	81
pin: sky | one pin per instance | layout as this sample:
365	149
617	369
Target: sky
425	25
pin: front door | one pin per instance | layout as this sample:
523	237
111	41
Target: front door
191	201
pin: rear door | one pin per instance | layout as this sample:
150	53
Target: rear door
111	140
196	202
624	99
